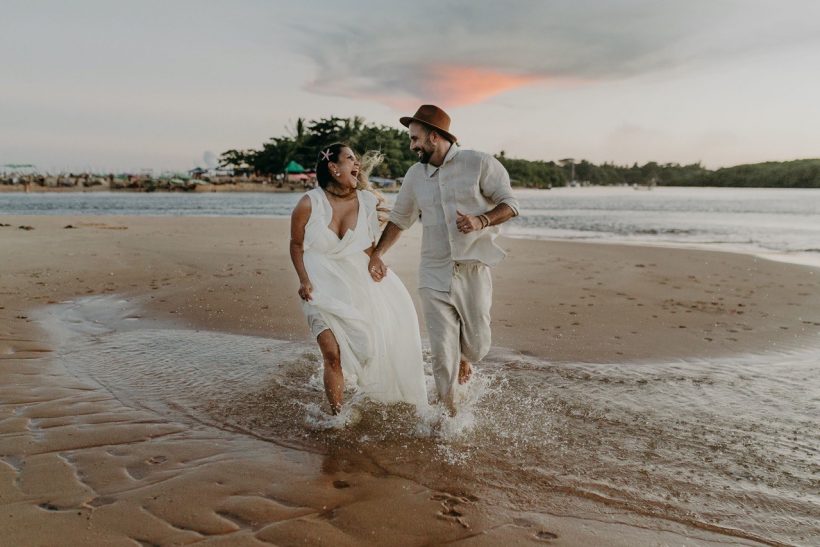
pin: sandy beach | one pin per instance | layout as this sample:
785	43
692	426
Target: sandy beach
78	466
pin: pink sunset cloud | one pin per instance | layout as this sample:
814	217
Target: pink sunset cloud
465	85
448	84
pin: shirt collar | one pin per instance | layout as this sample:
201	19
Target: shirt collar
431	170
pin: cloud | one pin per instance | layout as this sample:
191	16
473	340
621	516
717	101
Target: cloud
462	53
466	84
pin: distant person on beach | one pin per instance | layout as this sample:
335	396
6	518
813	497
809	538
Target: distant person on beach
461	195
368	332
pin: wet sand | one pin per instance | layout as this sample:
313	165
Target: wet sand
77	463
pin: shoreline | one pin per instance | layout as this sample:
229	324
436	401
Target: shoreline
796	257
199	188
239	279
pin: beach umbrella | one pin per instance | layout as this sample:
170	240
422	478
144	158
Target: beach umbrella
294	167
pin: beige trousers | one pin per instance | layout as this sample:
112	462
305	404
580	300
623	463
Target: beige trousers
458	322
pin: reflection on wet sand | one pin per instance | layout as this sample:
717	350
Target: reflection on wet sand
726	445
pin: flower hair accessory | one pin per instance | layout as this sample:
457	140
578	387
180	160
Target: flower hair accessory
325	155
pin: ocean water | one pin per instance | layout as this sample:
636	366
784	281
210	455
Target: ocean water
729	445
783	224
262	204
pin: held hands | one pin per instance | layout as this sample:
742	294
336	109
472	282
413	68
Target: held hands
305	290
468	223
377	268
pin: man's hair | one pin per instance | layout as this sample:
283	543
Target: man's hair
430	129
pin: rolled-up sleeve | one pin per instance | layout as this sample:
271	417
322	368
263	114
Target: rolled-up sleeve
405	211
495	184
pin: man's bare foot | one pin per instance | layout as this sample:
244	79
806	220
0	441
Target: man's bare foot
465	370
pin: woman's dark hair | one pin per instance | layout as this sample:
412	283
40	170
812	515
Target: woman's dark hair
326	155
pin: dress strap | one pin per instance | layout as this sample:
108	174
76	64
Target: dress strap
315	224
318	206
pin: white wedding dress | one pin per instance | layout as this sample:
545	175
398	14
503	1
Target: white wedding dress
375	323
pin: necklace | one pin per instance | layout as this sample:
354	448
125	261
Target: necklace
347	195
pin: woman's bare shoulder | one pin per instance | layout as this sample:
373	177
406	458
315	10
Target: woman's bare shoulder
303	206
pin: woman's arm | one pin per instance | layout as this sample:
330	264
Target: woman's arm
298	221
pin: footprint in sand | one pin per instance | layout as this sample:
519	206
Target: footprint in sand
448	507
100	501
541	534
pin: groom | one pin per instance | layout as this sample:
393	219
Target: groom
460	195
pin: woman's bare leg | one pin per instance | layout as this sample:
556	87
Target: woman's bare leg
333	377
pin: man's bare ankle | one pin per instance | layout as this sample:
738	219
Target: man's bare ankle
465	370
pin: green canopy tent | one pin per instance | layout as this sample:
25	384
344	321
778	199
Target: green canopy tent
294	168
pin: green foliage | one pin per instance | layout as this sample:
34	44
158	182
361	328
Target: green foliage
232	158
787	174
533	174
306	138
541	174
791	174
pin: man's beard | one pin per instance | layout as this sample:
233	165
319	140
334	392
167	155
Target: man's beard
424	156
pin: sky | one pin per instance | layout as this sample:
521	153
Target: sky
120	85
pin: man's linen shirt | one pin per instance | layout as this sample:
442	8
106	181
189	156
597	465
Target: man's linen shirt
467	181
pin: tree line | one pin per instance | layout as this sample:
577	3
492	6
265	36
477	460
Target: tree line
305	139
544	174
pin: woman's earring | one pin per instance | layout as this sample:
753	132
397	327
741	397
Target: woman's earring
337	173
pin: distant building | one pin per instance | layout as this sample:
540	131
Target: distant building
197	173
200	173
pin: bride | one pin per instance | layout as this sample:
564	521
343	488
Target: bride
367	331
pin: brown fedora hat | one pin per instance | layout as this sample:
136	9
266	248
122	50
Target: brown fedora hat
433	116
